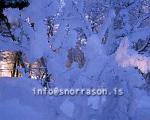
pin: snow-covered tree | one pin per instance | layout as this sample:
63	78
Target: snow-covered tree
84	44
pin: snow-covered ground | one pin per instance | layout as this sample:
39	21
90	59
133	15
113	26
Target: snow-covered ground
18	102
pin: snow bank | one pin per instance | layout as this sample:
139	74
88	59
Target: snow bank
17	101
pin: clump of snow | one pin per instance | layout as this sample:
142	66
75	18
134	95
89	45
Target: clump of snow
67	108
129	58
93	102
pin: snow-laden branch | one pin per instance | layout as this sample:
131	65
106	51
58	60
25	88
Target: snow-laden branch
107	22
144	17
140	33
130	58
144	46
8	45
